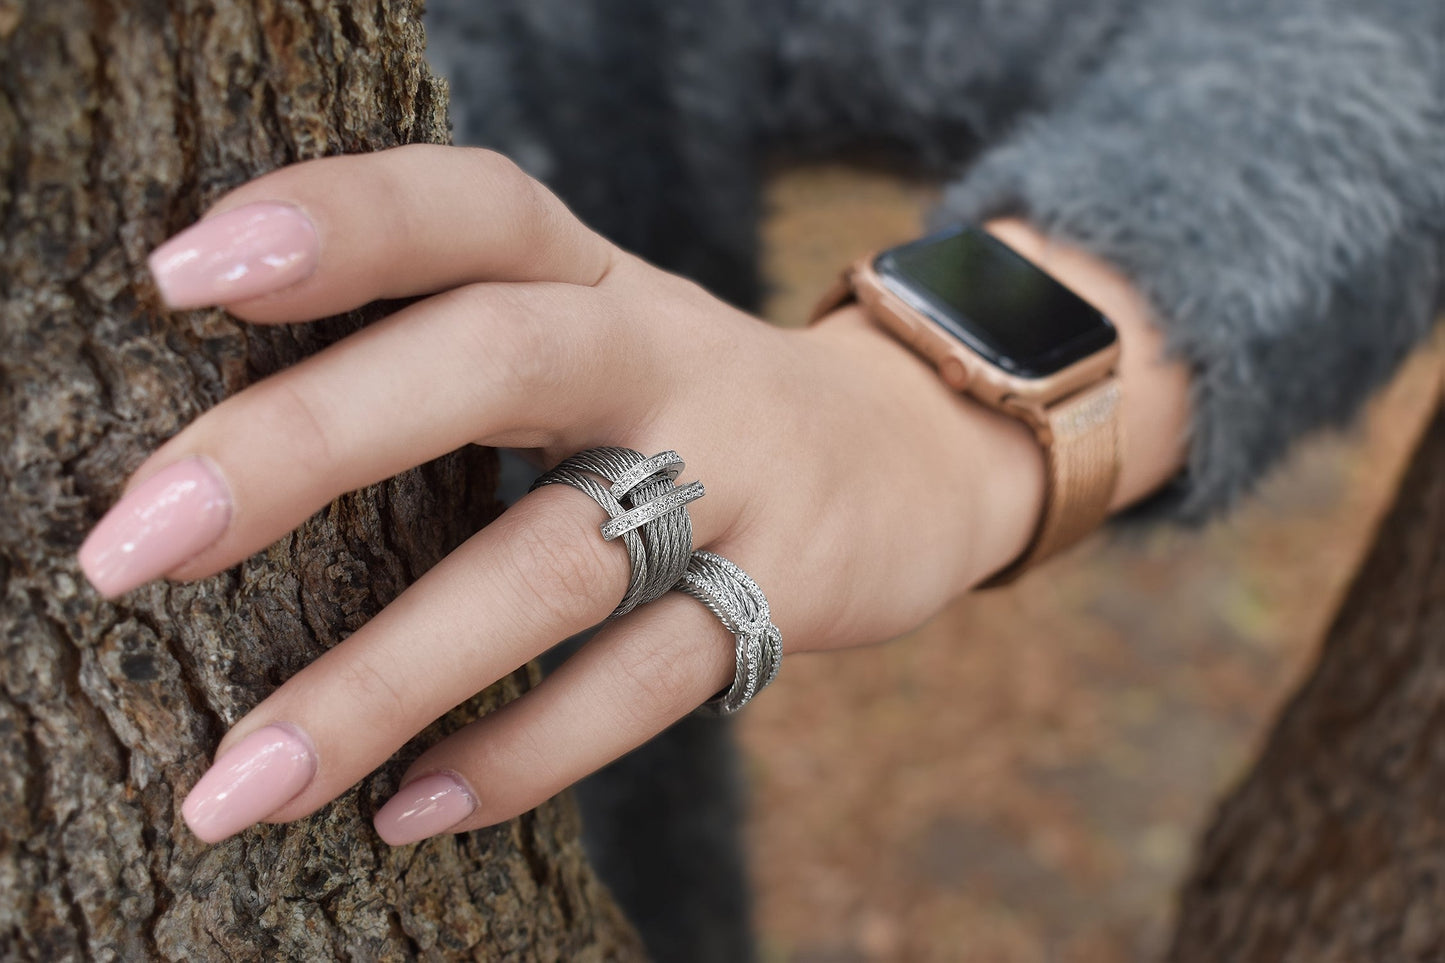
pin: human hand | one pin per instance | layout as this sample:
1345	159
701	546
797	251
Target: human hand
858	491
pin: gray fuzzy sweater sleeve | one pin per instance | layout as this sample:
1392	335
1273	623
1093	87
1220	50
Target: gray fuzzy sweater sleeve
1272	176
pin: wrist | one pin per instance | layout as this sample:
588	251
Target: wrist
988	468
1006	480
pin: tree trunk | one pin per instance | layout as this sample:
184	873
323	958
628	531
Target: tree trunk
119	121
1333	849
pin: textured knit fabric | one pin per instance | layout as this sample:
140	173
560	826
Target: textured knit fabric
1270	174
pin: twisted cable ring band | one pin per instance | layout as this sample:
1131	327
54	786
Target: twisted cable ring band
738	602
658	538
645	482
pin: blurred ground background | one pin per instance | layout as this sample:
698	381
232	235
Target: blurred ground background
1023	779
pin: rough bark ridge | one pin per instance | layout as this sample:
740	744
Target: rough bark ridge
1333	850
119	121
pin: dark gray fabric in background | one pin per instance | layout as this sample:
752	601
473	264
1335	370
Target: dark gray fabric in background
1271	175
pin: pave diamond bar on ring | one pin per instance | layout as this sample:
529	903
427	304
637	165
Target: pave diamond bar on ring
667	464
738	602
649	511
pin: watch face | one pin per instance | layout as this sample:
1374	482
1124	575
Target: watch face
995	301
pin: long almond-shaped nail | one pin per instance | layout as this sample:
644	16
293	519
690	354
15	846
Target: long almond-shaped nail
162	522
252	780
424	807
244	253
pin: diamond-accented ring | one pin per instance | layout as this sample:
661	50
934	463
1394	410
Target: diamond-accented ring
644	508
738	602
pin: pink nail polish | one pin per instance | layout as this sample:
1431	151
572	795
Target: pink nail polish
256	777
162	522
424	807
240	254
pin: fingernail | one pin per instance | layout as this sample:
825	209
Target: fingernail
252	780
162	522
424	807
240	254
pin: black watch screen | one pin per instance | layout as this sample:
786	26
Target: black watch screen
995	301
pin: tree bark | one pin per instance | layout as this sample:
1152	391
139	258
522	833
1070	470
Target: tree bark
119	121
1333	849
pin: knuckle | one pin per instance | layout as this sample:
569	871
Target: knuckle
538	211
366	684
516	345
399	207
537	367
525	759
615	347
520	765
289	411
570	578
657	677
400	181
537	361
539	222
500	176
496	167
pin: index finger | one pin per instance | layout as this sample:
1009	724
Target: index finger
325	236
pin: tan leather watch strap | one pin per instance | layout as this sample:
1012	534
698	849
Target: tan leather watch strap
1080	435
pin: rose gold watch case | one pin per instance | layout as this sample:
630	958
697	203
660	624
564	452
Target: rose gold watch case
961	368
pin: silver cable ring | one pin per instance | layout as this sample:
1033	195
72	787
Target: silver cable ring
645	481
644	508
738	602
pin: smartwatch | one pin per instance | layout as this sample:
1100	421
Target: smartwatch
1002	331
